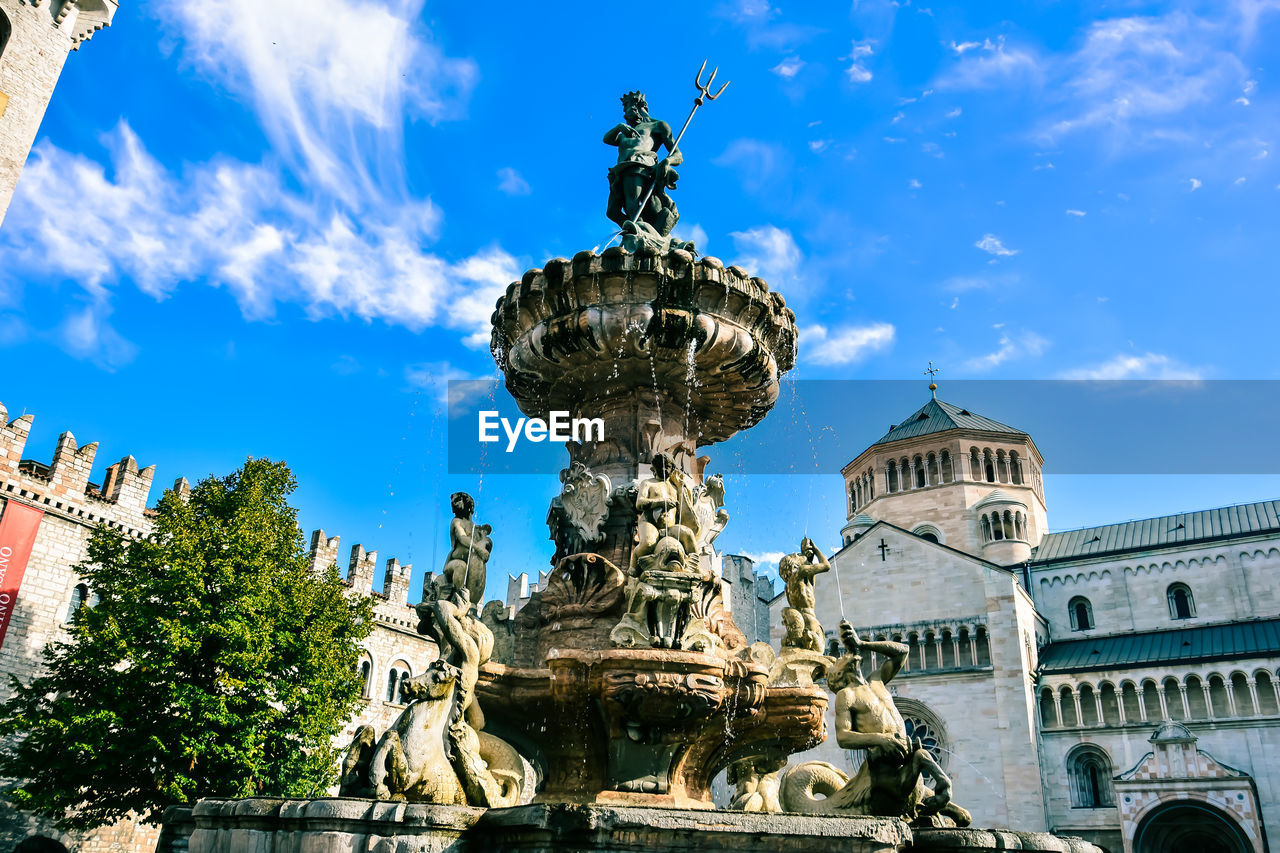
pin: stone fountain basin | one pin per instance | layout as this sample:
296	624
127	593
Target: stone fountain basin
712	339
644	727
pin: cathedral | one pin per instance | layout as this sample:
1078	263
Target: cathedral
1117	683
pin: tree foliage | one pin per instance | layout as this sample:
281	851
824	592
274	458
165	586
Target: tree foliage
215	663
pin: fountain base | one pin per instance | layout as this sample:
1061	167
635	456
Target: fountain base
342	825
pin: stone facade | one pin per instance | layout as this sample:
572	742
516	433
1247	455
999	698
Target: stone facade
1038	731
73	506
35	38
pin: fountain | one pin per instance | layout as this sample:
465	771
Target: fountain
631	688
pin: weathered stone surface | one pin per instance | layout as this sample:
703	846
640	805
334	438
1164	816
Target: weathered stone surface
341	825
975	840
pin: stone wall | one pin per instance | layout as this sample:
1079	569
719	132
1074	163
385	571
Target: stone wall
42	36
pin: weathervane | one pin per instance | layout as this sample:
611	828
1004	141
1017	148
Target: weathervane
932	372
638	184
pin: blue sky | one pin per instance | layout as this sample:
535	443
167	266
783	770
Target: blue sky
276	229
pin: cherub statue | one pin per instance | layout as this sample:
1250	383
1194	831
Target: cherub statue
469	548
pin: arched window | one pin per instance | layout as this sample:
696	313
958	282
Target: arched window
397	679
944	462
1090	771
1081	612
989	466
1002	467
986	529
79	600
983	647
1110	704
1015	468
1088	706
1067	702
1048	709
853	499
1195	699
366	682
918	464
1181	604
1267	703
892	477
934	478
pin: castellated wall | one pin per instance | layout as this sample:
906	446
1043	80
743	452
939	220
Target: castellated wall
73	506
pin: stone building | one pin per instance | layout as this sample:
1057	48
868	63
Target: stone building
1117	682
50	591
35	38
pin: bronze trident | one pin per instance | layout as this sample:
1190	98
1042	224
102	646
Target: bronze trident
704	93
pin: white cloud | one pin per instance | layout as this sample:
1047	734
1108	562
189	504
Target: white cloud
1238	181
764	559
789	67
239	226
87	334
846	344
964	46
769	252
914	184
992	65
1073	212
511	182
328	79
1195	183
1147	366
954	113
991	244
757	163
692	232
325	220
817	146
1011	346
857	70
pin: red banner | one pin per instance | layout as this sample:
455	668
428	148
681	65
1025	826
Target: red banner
18	528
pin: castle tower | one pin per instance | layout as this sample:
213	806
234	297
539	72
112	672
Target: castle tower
35	39
951	476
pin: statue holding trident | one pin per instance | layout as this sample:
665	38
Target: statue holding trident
638	184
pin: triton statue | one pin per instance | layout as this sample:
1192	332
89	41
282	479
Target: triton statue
889	783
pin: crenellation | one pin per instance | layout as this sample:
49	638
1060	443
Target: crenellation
13	439
69	474
395	582
360	569
323	552
182	489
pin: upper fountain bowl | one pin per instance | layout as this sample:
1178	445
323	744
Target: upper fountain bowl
707	340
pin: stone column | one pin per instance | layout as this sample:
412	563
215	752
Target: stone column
1057	706
1164	704
1097	700
1253	694
1075	696
1186	706
1142	705
1208	700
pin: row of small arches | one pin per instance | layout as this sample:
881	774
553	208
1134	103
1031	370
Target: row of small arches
1182	605
1197	697
1010	524
936	468
932	649
862	490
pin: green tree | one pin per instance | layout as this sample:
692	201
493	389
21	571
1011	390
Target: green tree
215	663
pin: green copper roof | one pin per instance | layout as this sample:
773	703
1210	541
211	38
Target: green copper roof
937	416
1207	524
1259	638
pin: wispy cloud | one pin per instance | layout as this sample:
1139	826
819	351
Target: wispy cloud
512	182
789	67
857	70
991	244
769	252
324	220
1073	212
1128	366
844	345
1194	183
757	163
1011	347
989	64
